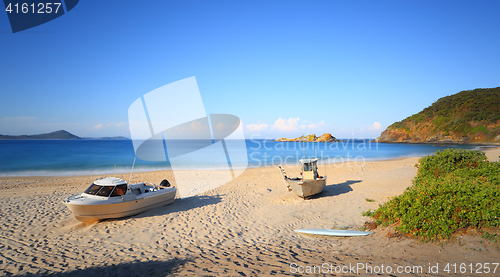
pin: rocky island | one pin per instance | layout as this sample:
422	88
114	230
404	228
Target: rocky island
471	116
327	137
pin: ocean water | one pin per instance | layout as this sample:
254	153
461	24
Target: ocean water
82	157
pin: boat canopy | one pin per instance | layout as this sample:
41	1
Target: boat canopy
309	168
308	161
110	181
107	187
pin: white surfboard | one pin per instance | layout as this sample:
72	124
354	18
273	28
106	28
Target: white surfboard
333	232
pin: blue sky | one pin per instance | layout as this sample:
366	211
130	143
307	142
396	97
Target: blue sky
350	68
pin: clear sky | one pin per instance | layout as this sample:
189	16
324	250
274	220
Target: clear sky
350	68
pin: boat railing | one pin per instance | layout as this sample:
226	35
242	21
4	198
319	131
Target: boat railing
285	177
158	186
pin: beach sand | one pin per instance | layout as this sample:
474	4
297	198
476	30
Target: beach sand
243	228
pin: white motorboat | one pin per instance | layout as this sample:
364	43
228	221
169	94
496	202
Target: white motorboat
310	183
114	198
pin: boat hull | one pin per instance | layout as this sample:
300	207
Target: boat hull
306	188
119	207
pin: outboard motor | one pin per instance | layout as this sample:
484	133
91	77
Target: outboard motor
165	183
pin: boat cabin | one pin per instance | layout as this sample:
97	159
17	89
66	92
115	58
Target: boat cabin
309	169
108	187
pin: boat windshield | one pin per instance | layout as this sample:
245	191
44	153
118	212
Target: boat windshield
119	190
93	189
99	190
307	167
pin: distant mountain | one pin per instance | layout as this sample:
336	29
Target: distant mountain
469	116
61	134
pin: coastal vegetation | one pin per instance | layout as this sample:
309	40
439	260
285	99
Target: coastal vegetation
454	189
468	116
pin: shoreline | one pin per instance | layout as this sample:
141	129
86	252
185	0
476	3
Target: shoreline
480	147
246	225
441	142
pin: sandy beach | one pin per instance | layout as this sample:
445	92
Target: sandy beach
243	228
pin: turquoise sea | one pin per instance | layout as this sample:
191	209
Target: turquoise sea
87	156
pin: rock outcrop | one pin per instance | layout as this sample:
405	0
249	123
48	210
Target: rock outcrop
327	137
406	136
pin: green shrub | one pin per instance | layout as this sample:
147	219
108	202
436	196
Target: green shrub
449	160
491	237
480	128
453	189
398	125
